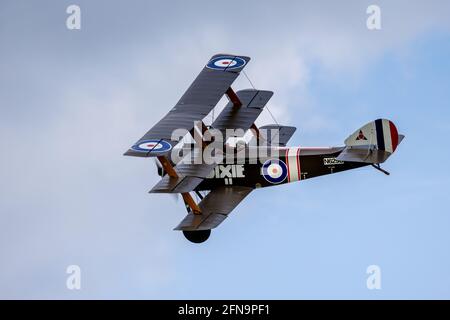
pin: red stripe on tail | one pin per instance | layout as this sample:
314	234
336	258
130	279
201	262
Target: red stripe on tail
394	136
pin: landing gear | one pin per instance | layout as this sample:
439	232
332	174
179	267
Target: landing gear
197	236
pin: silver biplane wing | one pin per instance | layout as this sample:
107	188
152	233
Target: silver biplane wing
196	103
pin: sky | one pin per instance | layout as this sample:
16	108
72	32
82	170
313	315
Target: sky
73	101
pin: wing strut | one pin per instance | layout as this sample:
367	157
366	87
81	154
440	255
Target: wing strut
167	166
232	96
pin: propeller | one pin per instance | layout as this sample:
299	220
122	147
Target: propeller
175	196
159	167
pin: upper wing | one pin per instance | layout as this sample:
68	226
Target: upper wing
215	208
199	99
283	136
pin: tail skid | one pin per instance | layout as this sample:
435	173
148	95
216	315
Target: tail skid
378	167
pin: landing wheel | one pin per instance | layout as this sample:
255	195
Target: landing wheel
197	236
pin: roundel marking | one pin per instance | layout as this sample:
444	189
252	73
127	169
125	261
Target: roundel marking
153	146
226	62
274	171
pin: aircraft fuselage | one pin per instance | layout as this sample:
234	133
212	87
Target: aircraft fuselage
292	164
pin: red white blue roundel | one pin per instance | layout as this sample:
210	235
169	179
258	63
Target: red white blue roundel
156	146
226	62
274	171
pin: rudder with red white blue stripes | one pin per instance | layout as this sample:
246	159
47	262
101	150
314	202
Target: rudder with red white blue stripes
372	143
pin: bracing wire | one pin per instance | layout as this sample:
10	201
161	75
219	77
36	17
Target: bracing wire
267	107
251	83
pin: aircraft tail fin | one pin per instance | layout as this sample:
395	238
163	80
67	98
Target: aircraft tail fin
373	143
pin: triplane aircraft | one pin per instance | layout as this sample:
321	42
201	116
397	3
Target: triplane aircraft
225	178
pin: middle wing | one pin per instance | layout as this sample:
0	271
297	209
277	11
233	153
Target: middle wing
243	116
215	208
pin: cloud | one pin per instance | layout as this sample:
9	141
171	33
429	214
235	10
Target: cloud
72	103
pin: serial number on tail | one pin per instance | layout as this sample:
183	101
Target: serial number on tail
331	161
